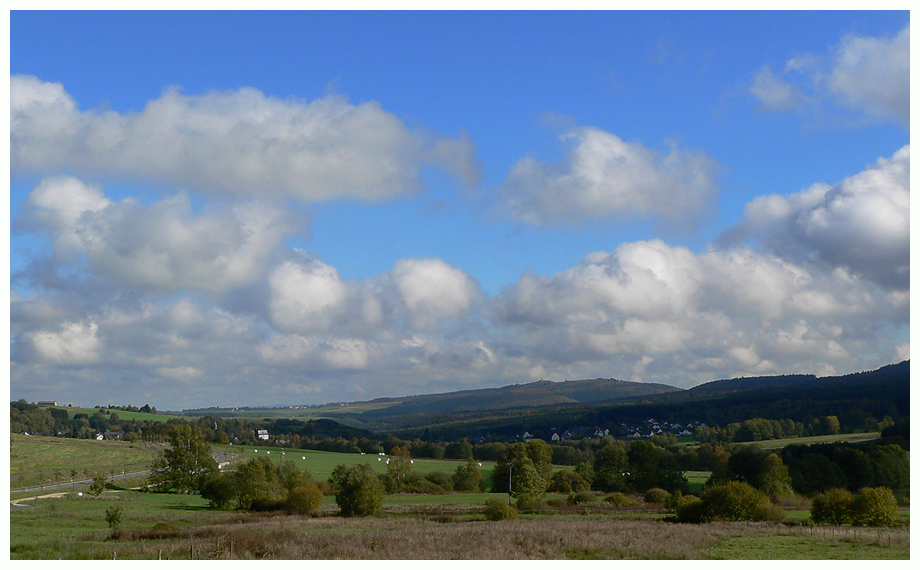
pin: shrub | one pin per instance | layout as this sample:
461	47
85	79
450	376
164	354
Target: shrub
530	504
359	491
656	495
673	502
691	510
218	489
875	506
567	481
416	483
496	510
304	500
769	512
832	507
113	518
734	501
617	500
441	479
468	478
582	498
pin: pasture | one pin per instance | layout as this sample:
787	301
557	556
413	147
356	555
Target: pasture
182	526
35	459
321	463
413	527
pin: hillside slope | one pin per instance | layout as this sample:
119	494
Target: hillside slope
533	395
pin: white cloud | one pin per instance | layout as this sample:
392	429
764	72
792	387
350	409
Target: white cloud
76	343
866	74
714	314
604	177
241	143
775	94
306	297
861	223
164	246
873	74
432	291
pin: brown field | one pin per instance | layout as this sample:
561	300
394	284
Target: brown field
432	537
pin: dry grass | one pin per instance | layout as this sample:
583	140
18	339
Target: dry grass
441	536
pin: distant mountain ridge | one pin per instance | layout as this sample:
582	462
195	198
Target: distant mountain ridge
532	395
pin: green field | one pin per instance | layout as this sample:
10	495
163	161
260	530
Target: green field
122	415
54	457
809	440
292	412
181	527
321	463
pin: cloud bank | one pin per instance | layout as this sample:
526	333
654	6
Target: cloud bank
188	305
240	143
603	177
867	75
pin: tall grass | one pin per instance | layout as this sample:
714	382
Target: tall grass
177	527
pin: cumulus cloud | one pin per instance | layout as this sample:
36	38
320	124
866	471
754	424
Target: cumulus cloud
164	246
306	297
603	177
432	291
873	74
241	143
75	343
861	223
719	312
868	75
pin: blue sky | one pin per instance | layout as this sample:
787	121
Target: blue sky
347	205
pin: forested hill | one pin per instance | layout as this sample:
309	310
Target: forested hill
533	395
801	398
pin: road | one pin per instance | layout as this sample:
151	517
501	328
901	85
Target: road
78	486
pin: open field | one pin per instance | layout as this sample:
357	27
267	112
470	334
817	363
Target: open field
123	415
413	527
292	412
54	457
838	438
321	463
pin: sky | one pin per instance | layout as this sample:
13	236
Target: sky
288	208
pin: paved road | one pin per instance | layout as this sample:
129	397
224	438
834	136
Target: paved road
75	486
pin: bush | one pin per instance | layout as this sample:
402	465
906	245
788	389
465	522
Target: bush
691	510
218	489
529	504
875	506
673	502
416	483
468	478
832	507
769	512
359	491
567	481
734	501
441	479
582	498
656	495
617	500
304	500
496	510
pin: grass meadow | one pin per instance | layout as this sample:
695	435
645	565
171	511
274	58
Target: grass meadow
182	527
321	463
51	458
446	526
